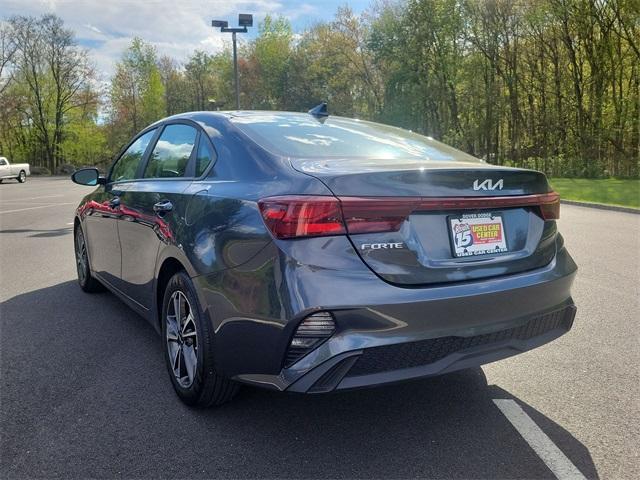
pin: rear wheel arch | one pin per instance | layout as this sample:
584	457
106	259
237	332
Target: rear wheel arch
188	335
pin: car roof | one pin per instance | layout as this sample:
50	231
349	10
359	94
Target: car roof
214	118
228	114
249	113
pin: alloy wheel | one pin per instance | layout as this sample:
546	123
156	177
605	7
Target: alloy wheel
81	256
182	339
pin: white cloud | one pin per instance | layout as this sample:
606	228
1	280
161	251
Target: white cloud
93	28
301	10
175	28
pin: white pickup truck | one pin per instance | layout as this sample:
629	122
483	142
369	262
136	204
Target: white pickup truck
19	171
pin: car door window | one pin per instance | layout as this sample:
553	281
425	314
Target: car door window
127	165
172	152
3	162
205	157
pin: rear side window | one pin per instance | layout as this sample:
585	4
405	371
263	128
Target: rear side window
127	165
206	156
172	152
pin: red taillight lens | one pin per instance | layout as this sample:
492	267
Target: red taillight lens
370	215
311	216
302	216
550	206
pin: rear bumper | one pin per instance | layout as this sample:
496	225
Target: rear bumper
405	361
387	334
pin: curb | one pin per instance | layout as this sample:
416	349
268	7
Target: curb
601	206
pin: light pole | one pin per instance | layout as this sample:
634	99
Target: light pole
244	20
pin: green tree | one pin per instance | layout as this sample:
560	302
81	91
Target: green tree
222	68
137	95
550	84
8	49
85	139
333	62
52	77
176	95
200	77
264	72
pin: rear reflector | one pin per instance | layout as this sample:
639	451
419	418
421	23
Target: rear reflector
313	331
307	216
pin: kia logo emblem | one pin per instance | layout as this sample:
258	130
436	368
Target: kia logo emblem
488	184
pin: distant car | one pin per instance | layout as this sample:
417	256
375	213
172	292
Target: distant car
308	253
19	171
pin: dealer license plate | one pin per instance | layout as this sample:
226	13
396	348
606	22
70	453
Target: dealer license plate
477	234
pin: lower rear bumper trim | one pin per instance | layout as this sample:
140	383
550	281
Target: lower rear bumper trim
405	361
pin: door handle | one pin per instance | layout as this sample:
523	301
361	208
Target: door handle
114	202
163	207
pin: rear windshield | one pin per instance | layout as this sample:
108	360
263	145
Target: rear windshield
303	136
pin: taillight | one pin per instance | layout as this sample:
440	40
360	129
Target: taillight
550	206
302	216
313	216
377	214
370	215
296	216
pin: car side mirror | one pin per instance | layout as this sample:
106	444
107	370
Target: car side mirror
87	176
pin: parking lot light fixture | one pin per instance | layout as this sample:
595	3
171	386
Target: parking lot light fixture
244	20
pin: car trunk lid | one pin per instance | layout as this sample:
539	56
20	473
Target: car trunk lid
411	222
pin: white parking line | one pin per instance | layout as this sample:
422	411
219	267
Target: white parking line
26	202
33	198
550	454
33	208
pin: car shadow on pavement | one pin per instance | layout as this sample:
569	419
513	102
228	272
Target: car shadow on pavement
85	393
445	426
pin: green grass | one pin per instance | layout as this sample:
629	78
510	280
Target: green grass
608	191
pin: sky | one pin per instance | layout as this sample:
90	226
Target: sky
175	28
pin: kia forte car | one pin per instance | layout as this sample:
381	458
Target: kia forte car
310	253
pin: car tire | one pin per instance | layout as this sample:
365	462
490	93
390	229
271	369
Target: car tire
188	343
86	280
22	176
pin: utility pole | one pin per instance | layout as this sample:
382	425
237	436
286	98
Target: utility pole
244	20
235	70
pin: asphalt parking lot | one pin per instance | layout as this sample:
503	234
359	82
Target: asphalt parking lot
84	391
